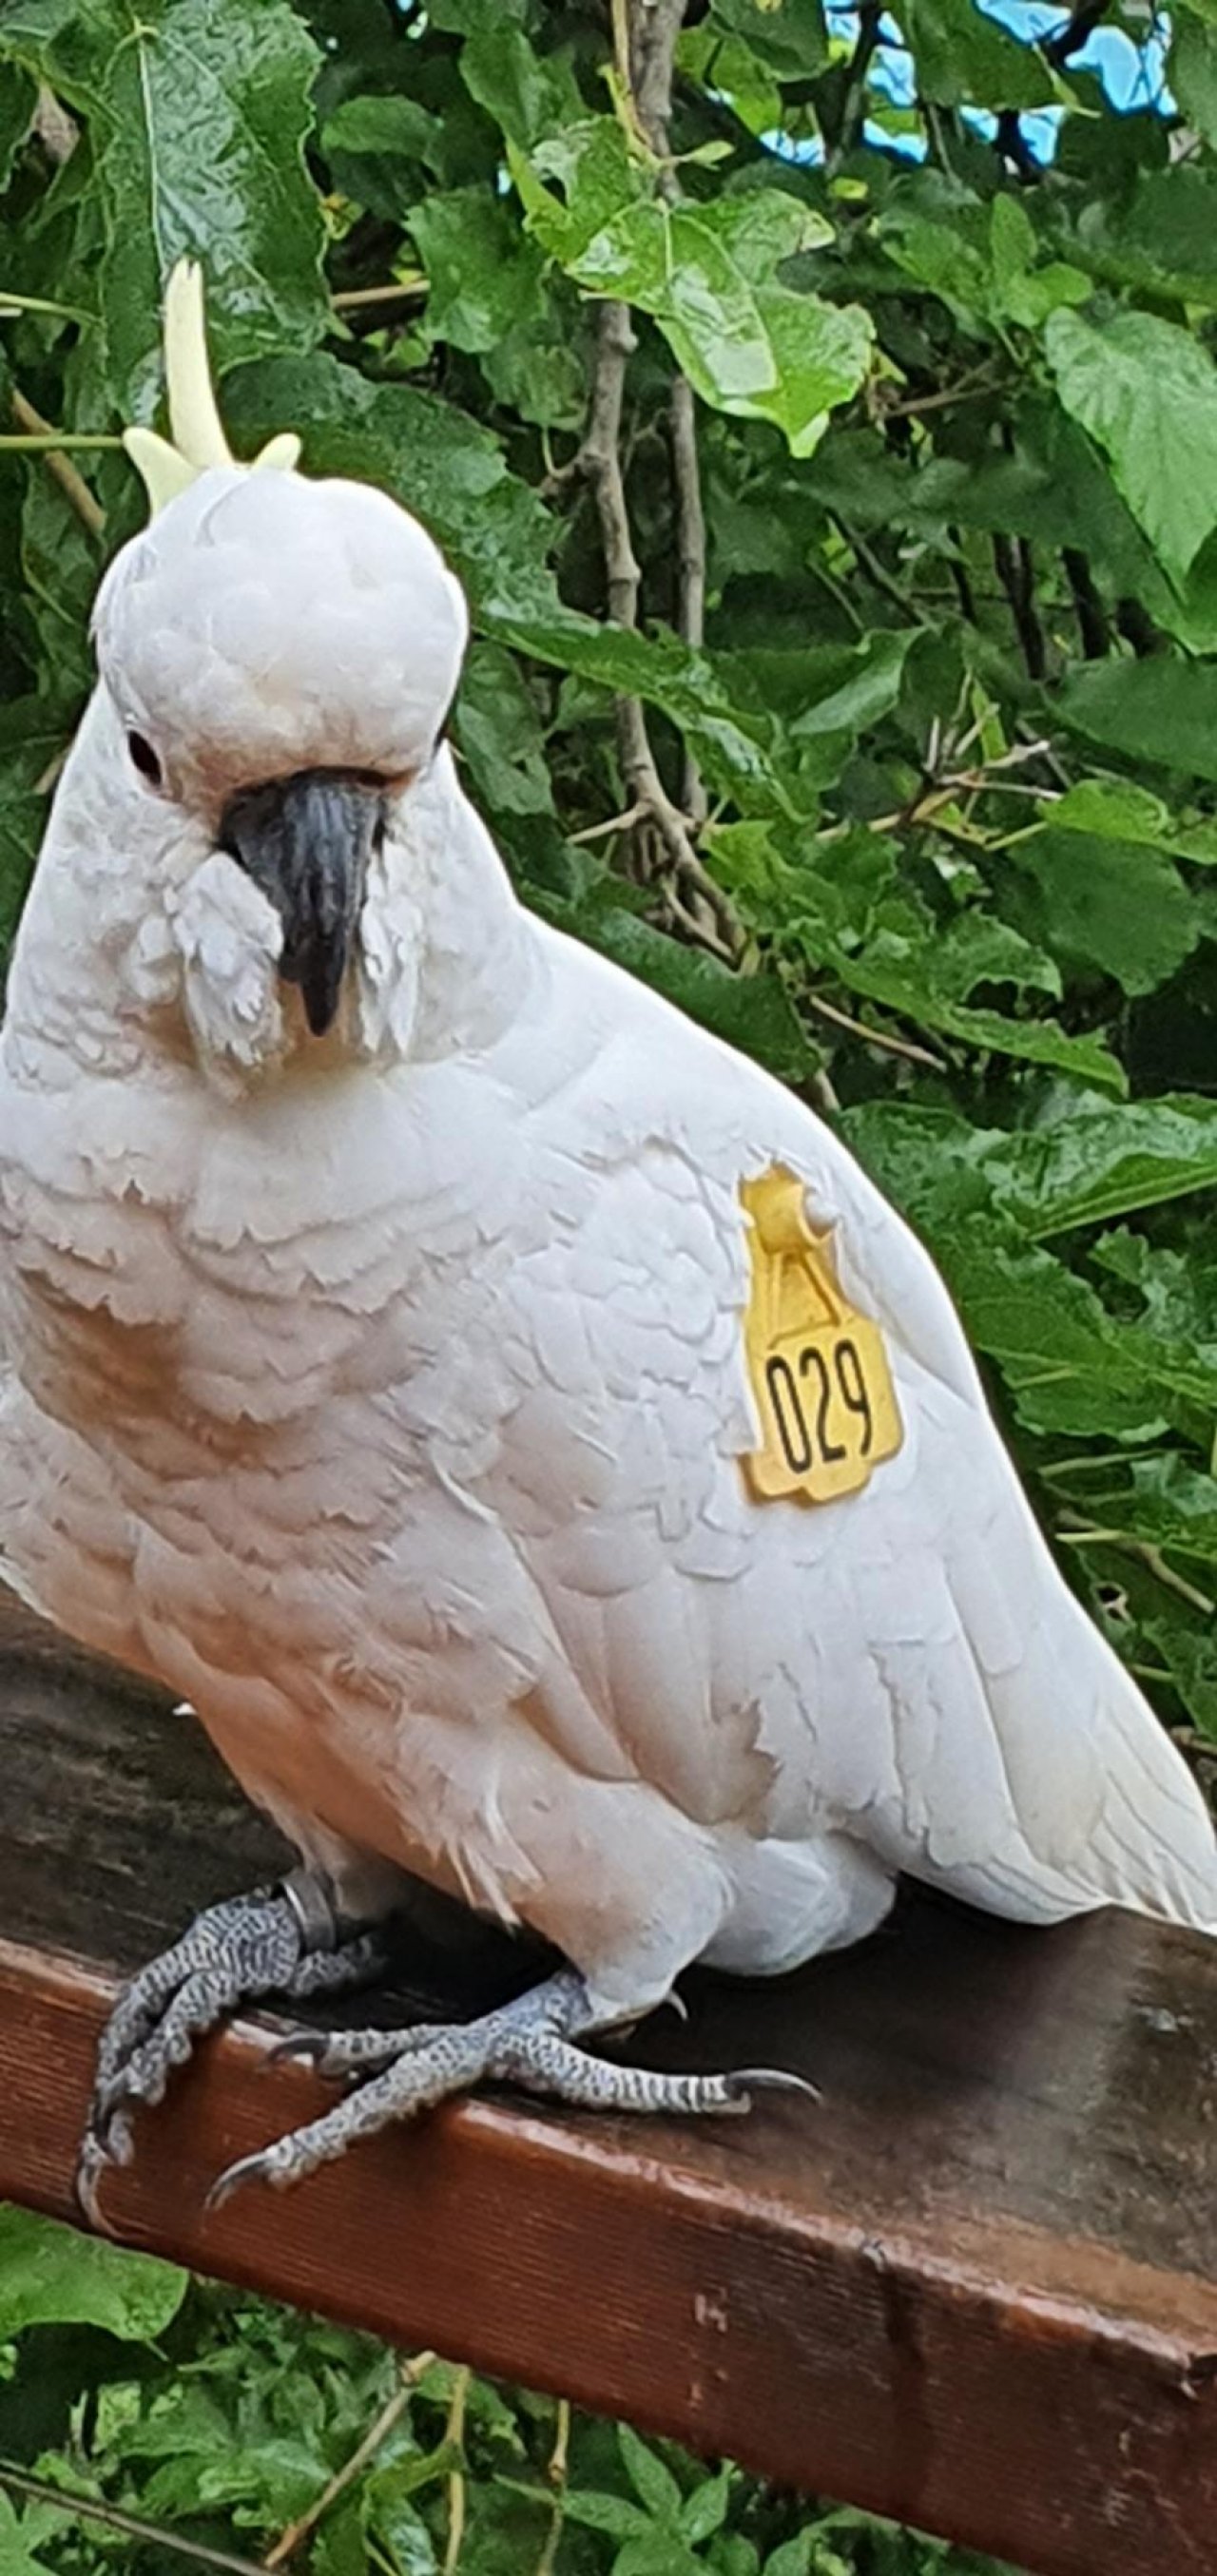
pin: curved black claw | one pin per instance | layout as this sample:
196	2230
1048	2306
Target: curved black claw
256	2168
773	2079
342	2053
236	1953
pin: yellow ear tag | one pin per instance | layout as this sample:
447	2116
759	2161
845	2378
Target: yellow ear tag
819	1370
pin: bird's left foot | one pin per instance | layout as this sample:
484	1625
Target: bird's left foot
530	2042
276	1942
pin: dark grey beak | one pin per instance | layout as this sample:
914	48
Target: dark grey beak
306	842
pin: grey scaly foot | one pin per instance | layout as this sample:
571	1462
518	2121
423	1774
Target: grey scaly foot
529	2042
276	1941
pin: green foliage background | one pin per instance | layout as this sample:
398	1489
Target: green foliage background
921	807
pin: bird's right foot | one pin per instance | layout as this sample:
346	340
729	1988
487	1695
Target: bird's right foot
281	1942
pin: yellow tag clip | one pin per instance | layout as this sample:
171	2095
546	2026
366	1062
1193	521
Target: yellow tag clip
819	1370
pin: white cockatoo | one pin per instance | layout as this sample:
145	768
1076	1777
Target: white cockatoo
511	1420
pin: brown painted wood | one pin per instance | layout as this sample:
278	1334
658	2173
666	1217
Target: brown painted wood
976	2288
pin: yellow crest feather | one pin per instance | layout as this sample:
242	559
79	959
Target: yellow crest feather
167	465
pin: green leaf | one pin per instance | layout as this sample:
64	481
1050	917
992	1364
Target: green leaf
1024	292
1191	1658
500	735
16	2555
1193	73
750	345
1178	1288
1072	1365
528	94
207	111
1097	1161
978	262
1121	906
660	2553
198	112
1173	1504
391	128
751	1012
34	734
18	94
902	974
705	2510
1162	711
61	562
612	2514
51	2276
964	59
787	36
1114	809
649	2476
1146	392
485	278
732	708
793	2558
378	148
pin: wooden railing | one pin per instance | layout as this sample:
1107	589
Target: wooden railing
975	2288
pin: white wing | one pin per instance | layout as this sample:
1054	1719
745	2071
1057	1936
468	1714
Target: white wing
907	1664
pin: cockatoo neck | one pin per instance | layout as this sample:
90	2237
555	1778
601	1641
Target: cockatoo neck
144	944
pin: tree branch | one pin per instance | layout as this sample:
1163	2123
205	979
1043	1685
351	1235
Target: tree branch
71	483
852	114
1088	603
653	28
647	32
1012	557
690	557
289	2541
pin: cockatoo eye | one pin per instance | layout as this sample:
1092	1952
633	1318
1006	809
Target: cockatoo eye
145	759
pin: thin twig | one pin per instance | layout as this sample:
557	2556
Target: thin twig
455	2434
644	44
1088	603
944	400
853	90
877	572
289	2541
354	299
40	2492
71	484
1015	571
600	460
1128	1544
875	1037
690	558
557	2472
55	443
11	302
654	28
652	31
615	823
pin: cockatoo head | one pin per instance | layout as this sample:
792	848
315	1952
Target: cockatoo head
279	656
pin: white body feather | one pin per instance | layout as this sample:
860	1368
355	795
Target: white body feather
386	1397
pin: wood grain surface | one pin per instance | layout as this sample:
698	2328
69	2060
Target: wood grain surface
975	2287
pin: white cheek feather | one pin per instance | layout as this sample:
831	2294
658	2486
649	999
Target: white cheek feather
391	944
229	938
